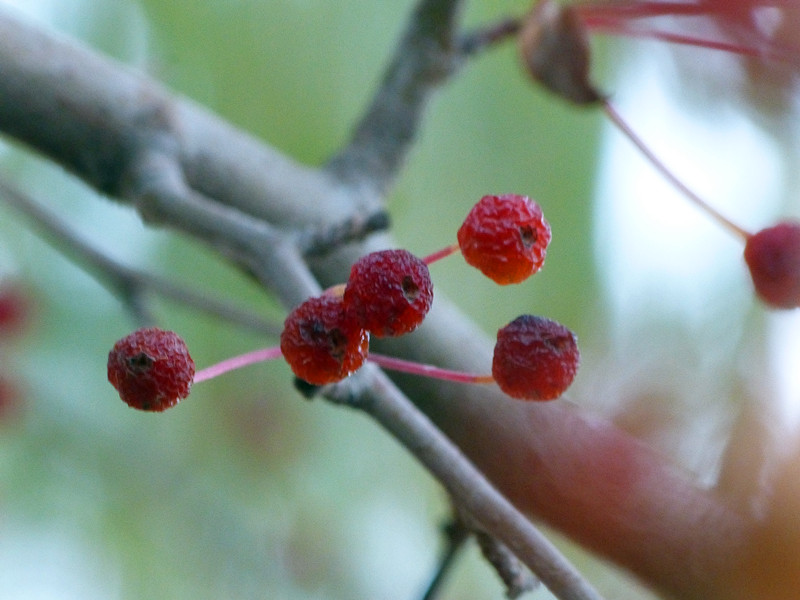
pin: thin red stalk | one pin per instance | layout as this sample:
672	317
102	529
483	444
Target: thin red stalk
614	27
620	19
237	362
431	258
637	10
407	366
667	174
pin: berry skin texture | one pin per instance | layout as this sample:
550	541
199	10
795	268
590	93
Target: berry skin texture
773	257
389	292
151	369
320	343
505	237
535	358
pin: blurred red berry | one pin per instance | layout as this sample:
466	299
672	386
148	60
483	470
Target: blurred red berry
10	400
14	308
505	237
320	343
151	369
535	358
773	257
389	292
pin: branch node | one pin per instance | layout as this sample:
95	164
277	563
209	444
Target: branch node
517	579
320	241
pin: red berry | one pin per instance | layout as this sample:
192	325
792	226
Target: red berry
773	257
320	343
389	292
151	369
535	358
505	237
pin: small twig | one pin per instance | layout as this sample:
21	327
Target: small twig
517	579
485	37
319	241
120	280
156	183
455	536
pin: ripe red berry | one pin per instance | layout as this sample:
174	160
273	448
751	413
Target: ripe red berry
773	257
535	358
389	292
151	369
505	237
320	343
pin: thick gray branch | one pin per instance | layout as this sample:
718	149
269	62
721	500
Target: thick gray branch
91	114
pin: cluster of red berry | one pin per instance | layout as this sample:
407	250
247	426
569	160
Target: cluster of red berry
388	294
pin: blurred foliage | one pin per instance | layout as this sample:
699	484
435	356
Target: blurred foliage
245	490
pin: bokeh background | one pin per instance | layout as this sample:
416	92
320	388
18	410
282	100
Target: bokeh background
246	491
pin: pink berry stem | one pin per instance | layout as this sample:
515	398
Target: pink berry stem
237	362
406	366
621	18
637	10
440	254
615	117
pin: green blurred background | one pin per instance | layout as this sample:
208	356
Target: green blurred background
246	491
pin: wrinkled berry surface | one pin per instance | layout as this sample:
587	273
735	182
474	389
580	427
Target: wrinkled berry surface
320	343
505	237
389	292
773	257
535	358
151	369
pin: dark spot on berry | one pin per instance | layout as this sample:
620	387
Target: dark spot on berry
528	235
141	362
410	288
337	343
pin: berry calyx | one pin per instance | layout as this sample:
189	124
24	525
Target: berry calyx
535	358
505	237
554	48
773	257
151	369
388	292
321	343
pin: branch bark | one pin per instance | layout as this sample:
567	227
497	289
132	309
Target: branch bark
187	169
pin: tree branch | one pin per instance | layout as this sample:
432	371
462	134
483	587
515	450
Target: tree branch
124	282
467	486
188	169
425	57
